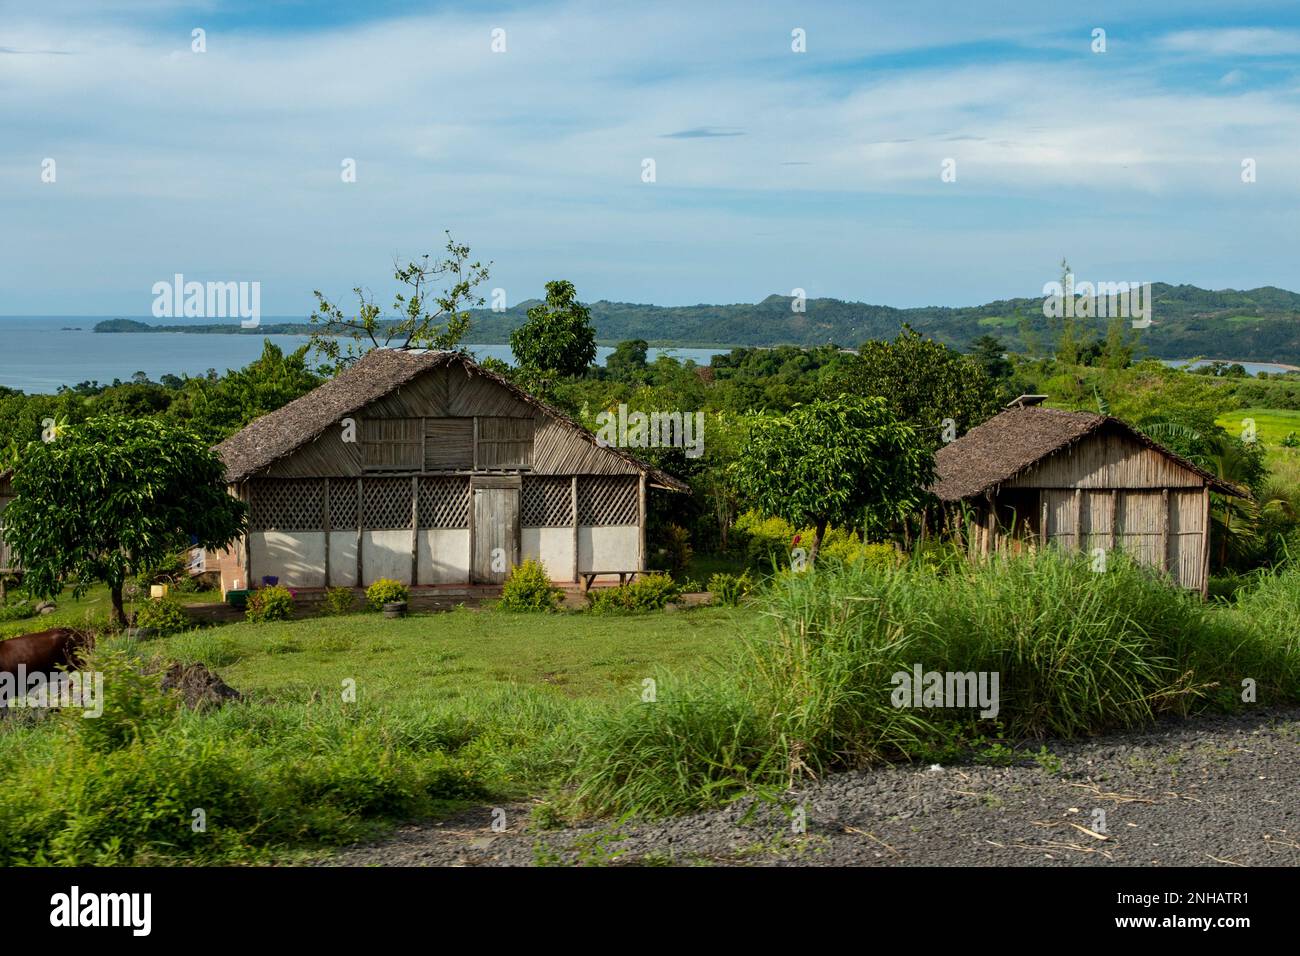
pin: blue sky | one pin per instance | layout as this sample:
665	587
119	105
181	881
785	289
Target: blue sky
775	170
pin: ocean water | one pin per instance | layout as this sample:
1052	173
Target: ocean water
40	353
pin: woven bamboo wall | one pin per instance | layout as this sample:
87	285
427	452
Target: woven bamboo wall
1107	460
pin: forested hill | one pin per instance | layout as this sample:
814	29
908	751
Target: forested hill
1258	324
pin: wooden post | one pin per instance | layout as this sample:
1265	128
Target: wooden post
247	494
1042	518
1164	529
573	503
325	523
1078	519
471	496
640	520
1114	519
991	522
415	530
361	513
1205	542
472	523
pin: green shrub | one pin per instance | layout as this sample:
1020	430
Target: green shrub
18	611
164	615
529	588
386	591
730	589
134	704
650	593
766	541
338	601
673	548
274	603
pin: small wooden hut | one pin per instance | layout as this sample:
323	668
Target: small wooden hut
423	467
1033	476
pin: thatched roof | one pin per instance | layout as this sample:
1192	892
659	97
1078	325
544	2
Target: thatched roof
380	371
1014	441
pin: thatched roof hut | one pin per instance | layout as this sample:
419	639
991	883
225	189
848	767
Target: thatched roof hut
424	467
1033	476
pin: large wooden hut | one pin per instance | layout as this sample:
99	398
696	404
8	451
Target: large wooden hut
1033	476
423	467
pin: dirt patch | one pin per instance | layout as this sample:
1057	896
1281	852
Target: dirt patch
199	687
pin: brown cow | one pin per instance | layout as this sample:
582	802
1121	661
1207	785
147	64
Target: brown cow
43	651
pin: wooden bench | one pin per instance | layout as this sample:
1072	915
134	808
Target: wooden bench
624	577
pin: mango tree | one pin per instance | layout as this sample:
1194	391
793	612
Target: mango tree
846	462
109	497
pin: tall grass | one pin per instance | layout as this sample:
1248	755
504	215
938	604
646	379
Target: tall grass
1076	651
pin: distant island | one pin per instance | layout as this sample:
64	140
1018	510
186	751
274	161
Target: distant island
1259	325
223	328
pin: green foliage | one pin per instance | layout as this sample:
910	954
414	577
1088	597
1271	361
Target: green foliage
730	589
109	497
627	363
121	789
990	355
924	383
1078	652
528	588
169	570
164	615
219	407
134	704
17	611
274	603
338	601
558	338
649	593
845	462
429	319
673	548
386	591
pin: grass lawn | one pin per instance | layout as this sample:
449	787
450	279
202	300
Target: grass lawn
1271	426
90	610
442	656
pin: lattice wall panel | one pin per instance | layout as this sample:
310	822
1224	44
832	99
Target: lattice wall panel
444	502
386	503
546	503
287	504
607	501
343	503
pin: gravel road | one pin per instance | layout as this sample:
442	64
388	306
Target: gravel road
1211	792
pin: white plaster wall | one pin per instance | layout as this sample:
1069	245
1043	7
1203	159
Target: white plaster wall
552	546
608	549
297	558
343	559
386	554
444	556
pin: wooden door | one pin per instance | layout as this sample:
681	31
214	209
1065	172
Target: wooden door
496	531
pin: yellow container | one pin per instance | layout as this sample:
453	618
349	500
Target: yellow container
157	590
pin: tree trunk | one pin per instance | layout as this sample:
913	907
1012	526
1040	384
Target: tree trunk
117	616
817	541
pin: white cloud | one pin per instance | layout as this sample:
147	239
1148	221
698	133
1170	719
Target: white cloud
1251	41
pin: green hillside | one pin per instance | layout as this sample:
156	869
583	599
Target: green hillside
1255	325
